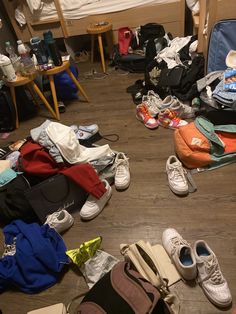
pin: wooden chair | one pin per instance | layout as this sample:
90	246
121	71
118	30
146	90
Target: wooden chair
98	30
29	82
50	73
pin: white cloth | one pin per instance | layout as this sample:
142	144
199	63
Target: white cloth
78	9
65	140
19	16
170	54
193	5
34	5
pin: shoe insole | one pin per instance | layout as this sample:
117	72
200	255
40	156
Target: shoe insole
202	251
185	257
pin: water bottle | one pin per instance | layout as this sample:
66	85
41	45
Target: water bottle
38	50
47	38
15	60
55	53
7	68
27	62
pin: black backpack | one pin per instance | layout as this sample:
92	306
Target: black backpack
7	112
25	107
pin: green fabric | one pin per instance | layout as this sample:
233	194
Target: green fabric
85	251
219	158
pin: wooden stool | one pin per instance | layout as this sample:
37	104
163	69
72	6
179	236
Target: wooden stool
29	81
99	30
64	67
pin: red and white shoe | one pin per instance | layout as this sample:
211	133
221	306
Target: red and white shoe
169	119
143	115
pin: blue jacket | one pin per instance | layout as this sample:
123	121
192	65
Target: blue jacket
38	259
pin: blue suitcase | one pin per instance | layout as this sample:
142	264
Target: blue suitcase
222	40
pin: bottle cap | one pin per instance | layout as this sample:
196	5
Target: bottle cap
19	42
34	40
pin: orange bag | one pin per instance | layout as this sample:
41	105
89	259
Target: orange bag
192	147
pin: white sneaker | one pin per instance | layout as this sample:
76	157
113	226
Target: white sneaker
93	206
173	103
176	176
60	220
183	111
84	132
181	253
210	277
122	174
153	103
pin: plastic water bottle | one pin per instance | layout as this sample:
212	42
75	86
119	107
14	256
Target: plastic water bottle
27	62
15	59
7	68
47	38
39	51
54	53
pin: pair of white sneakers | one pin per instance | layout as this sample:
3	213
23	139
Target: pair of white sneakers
93	206
199	263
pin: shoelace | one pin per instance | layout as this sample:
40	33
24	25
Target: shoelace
154	104
213	271
51	219
121	166
176	241
179	173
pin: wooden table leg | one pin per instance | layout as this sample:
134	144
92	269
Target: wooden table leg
54	96
110	43
44	100
101	52
31	90
92	48
79	87
13	96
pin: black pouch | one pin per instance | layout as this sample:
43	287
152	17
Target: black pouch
54	194
171	77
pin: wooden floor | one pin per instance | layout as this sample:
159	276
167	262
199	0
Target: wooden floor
148	207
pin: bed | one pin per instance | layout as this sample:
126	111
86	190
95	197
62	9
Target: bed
132	13
210	12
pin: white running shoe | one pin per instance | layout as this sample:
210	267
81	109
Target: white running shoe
153	103
176	176
122	174
210	277
181	253
60	220
84	132
173	103
93	206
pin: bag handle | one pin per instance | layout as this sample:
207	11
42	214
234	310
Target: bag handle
68	306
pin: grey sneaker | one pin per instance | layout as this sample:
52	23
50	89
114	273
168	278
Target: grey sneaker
181	253
183	111
210	277
153	103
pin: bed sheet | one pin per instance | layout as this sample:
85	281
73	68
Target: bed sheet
72	11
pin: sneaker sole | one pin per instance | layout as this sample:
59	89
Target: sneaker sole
221	305
124	187
178	192
147	126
